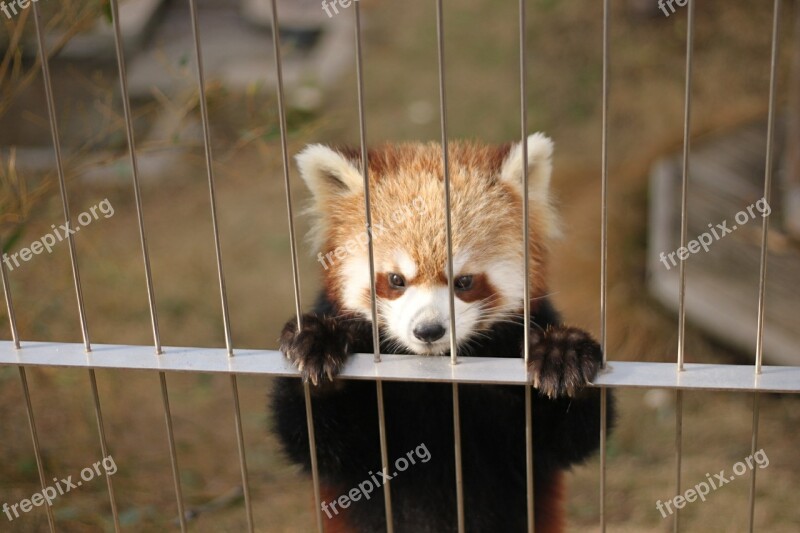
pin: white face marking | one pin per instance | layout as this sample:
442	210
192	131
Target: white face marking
508	278
406	265
355	274
459	261
428	306
421	306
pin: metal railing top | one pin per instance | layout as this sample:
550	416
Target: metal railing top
477	370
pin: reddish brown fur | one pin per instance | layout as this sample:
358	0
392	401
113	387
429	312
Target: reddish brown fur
549	507
337	523
486	212
383	289
481	289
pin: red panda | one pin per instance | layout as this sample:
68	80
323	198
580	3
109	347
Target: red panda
407	197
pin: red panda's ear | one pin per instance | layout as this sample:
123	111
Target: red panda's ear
328	173
540	167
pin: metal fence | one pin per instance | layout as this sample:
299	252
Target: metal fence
681	376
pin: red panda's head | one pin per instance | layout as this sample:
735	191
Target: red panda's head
409	234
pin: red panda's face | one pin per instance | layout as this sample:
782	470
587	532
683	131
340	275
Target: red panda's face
409	235
415	309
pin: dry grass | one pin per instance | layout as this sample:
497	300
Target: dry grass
732	48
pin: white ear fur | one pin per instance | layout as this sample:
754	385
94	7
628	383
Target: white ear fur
327	172
540	167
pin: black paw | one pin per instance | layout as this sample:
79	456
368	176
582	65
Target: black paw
319	350
563	360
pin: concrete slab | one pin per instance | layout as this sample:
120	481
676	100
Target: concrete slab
137	18
238	54
726	177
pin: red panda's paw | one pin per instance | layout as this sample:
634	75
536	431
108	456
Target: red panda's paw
319	350
563	360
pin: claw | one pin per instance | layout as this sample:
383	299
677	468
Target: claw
564	361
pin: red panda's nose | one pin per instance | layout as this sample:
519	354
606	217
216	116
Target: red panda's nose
429	332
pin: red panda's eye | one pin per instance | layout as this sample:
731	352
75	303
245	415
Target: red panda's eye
463	283
396	281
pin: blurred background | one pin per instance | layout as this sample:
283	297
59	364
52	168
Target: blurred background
730	95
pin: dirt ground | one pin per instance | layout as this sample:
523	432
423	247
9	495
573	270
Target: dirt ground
730	88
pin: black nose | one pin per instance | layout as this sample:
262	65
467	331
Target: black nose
429	332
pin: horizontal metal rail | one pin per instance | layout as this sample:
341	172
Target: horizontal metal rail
485	370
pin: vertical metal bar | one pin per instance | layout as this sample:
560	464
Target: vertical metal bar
104	446
242	455
603	455
376	345
12	322
312	446
276	45
173	452
312	442
387	492
126	106
48	86
35	438
604	265
753	449
604	189
51	111
223	294
523	110
450	273
147	264
457	440
687	110
218	253
446	170
529	458
678	451
762	278
365	172
12	316
687	116
526	299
